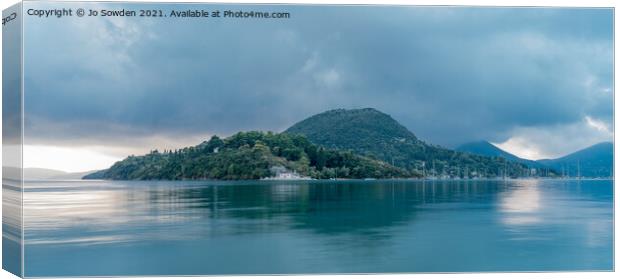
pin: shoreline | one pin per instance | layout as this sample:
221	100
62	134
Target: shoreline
329	180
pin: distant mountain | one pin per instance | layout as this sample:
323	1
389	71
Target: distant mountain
250	155
593	161
372	133
73	175
486	148
51	174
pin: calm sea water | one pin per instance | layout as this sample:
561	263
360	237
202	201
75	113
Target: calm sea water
106	228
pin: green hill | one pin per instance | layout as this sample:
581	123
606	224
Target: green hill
374	134
359	143
250	155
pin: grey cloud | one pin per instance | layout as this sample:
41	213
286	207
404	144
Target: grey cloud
451	75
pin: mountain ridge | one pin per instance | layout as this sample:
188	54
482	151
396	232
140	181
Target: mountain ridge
486	148
45	173
593	161
339	143
375	134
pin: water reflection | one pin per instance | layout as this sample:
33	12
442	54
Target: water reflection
104	212
531	207
318	226
11	211
522	204
11	225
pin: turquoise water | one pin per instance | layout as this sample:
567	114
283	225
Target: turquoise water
104	228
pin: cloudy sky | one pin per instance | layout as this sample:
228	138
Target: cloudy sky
535	81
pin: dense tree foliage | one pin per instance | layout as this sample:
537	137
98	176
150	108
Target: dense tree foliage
359	143
251	155
374	134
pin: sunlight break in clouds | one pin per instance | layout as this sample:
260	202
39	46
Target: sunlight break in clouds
68	159
522	147
536	143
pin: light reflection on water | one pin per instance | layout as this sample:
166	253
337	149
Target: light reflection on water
174	228
522	206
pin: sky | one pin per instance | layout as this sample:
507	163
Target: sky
537	82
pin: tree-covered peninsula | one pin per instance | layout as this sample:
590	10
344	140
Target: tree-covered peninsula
251	155
356	143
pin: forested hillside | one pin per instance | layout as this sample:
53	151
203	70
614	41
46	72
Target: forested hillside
250	155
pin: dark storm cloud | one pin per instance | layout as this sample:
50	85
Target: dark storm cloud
450	75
